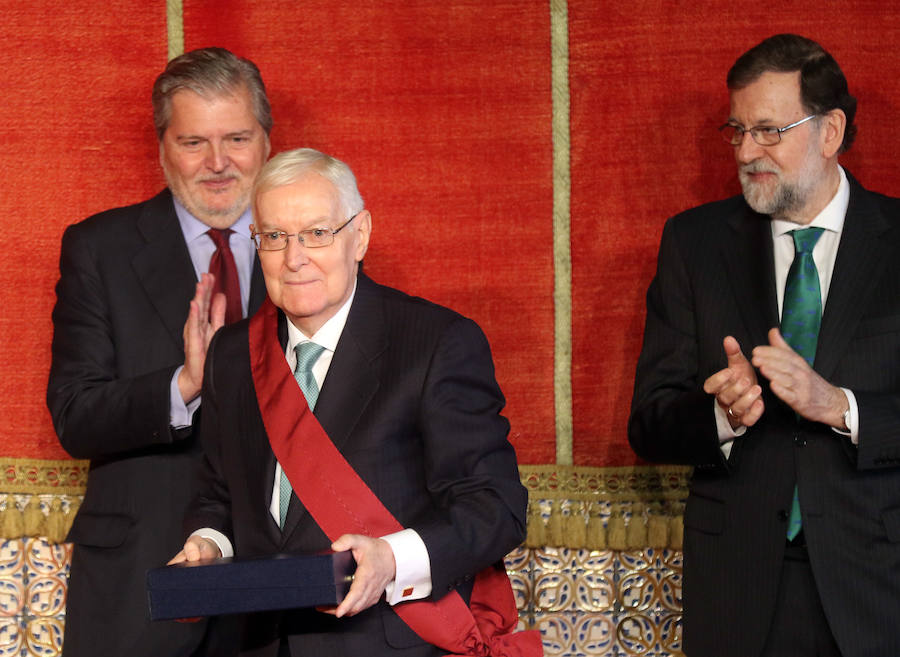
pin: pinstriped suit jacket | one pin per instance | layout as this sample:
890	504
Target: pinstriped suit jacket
411	402
715	277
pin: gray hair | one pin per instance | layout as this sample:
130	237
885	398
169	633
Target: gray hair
288	167
209	72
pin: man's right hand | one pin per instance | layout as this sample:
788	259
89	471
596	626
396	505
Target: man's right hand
196	548
206	316
735	388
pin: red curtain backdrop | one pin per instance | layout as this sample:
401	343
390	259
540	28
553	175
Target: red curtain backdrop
648	93
443	108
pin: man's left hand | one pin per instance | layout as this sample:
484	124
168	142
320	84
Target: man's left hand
375	569
797	384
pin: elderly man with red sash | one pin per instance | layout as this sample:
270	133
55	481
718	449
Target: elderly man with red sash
350	416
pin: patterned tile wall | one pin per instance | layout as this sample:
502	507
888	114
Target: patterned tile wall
32	596
598	603
623	602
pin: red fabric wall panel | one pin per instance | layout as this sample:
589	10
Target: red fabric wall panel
77	138
443	111
648	92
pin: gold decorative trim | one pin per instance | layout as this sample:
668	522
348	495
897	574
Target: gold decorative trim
174	28
637	483
40	476
617	508
562	253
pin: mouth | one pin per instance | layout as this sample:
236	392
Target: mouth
756	174
218	184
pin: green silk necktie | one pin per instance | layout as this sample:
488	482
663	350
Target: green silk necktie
307	355
801	314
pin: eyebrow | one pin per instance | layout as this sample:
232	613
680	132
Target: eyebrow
766	121
236	133
319	223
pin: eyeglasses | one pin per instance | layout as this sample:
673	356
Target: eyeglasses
764	135
314	238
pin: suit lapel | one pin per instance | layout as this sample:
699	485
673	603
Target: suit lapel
352	379
862	254
749	260
164	265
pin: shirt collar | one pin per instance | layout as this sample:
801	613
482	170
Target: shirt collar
330	332
192	228
830	218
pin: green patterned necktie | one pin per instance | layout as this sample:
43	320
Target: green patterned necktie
801	314
307	355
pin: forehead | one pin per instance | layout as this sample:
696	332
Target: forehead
310	199
192	111
772	97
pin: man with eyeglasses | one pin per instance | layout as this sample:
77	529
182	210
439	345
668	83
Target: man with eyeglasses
128	353
770	363
346	415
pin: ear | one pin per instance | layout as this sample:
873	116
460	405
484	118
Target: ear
363	223
833	123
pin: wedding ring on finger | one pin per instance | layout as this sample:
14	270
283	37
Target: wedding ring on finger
732	414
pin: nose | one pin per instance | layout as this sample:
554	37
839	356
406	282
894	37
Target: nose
748	150
295	255
217	158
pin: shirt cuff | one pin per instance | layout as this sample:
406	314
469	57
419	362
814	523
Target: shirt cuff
412	580
218	538
180	414
724	430
853	425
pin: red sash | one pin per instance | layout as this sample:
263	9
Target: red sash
341	503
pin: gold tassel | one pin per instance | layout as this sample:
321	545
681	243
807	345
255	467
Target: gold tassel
555	536
596	534
12	524
537	535
615	532
636	536
676	532
35	522
658	531
56	522
576	528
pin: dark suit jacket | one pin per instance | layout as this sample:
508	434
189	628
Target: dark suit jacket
122	299
411	402
715	278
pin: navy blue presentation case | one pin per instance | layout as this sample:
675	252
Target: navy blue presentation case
240	585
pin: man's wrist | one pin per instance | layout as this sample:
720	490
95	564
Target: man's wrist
841	405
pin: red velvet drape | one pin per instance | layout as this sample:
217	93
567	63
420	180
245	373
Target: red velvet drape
443	108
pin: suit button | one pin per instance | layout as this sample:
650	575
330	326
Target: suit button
799	440
782	515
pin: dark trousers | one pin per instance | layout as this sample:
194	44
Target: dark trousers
799	628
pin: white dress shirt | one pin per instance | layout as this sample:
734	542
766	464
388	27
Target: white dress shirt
831	218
